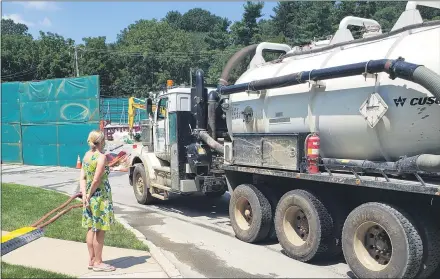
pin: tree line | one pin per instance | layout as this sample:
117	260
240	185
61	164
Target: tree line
148	52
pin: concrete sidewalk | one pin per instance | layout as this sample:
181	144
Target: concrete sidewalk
71	258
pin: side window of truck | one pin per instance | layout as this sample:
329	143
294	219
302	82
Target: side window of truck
162	109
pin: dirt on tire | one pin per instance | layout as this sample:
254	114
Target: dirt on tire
407	249
320	233
261	214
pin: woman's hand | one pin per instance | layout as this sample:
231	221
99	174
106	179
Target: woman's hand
86	201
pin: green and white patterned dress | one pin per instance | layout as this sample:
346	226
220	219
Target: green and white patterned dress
100	215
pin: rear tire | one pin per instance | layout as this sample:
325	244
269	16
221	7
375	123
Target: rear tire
141	182
250	213
380	241
273	199
430	231
304	226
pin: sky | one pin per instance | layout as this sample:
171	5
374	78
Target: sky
77	20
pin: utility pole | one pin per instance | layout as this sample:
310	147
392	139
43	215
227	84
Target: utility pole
76	62
190	77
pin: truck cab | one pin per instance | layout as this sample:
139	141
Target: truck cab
172	159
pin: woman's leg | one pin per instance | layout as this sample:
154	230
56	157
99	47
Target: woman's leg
98	245
89	239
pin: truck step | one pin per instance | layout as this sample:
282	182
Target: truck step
160	197
162	169
159	186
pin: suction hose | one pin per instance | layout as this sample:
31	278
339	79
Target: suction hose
213	99
211	137
420	163
395	68
428	79
234	61
425	162
211	142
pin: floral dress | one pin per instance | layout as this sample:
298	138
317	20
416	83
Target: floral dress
99	215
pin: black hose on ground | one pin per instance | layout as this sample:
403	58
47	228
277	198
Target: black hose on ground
234	61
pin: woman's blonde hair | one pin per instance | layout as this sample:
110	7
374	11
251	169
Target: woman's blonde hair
96	138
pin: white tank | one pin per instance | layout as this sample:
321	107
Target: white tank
409	126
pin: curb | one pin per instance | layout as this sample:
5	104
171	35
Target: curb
169	268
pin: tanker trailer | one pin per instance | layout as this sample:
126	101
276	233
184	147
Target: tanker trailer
335	149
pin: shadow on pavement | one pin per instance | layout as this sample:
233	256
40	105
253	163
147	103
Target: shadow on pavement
126	262
197	205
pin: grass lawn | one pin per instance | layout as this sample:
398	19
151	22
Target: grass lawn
24	205
18	271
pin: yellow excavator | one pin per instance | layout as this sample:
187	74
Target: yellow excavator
132	106
141	104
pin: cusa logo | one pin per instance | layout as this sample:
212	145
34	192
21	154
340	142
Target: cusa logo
417	101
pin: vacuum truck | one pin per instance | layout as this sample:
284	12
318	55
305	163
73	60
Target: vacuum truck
332	148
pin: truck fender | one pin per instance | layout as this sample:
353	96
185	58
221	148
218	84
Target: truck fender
149	160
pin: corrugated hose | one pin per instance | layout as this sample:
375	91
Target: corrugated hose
51	220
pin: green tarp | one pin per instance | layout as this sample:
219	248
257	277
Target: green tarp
47	122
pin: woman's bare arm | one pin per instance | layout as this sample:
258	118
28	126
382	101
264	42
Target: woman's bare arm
102	160
82	183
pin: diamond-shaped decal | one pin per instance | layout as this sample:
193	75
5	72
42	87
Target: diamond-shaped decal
373	109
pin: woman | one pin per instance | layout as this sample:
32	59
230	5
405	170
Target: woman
98	213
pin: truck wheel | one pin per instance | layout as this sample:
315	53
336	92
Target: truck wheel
430	232
141	189
379	241
304	226
339	213
250	213
273	200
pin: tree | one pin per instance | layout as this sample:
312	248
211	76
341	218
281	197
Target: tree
268	32
19	56
287	18
55	56
155	52
219	38
199	20
246	31
9	27
148	52
96	59
174	18
317	24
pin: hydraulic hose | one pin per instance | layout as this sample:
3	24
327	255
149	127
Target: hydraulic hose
395	68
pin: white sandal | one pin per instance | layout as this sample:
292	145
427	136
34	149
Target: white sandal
104	267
